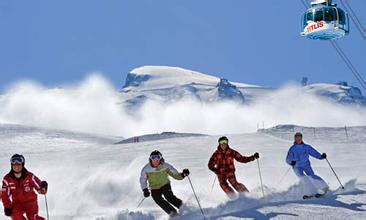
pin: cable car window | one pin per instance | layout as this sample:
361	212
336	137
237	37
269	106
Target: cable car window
342	17
329	14
318	15
309	16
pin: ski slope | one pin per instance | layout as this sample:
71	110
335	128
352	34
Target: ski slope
90	177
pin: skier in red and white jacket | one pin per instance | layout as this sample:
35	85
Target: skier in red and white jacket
18	191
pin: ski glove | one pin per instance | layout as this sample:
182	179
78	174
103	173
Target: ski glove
256	155
7	211
216	171
185	173
293	163
324	155
44	187
146	193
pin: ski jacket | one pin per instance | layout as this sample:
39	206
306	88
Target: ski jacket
17	191
300	153
159	176
222	162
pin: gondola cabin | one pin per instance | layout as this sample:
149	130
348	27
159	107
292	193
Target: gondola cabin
324	21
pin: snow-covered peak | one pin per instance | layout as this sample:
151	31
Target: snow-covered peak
340	92
160	77
170	84
154	77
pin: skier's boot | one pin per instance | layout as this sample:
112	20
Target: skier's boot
174	214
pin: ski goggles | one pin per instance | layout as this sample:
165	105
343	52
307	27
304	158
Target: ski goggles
223	142
18	160
155	157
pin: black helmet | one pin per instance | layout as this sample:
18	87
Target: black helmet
156	155
156	152
17	159
298	134
223	138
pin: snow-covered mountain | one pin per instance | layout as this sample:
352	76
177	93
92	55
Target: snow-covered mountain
171	84
340	92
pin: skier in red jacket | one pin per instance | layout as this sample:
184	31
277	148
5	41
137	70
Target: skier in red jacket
19	197
222	164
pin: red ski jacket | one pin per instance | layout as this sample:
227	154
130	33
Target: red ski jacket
222	162
17	191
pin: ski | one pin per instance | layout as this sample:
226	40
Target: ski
307	196
318	195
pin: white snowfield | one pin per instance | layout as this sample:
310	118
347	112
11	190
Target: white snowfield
91	178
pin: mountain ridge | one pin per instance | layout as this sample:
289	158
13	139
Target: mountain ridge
169	84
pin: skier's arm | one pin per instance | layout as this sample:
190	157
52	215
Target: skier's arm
6	193
242	159
173	172
290	157
143	179
36	182
40	186
314	153
212	163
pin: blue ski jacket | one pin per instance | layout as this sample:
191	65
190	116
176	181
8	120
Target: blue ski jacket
300	153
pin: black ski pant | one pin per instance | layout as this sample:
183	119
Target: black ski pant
170	198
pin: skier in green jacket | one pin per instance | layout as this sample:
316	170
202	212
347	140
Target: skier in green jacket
156	172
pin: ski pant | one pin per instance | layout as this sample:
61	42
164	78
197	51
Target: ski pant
223	178
316	180
29	208
170	198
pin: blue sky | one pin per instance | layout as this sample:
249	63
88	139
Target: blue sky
258	42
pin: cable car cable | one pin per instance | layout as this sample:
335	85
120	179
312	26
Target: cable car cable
304	3
354	18
348	62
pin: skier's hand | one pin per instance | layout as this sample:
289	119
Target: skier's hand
256	155
7	211
44	187
185	173
146	193
324	155
293	163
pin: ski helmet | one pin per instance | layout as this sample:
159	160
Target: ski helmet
156	155
223	139
17	159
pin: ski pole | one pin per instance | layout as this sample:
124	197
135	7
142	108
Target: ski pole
334	173
260	176
283	177
45	199
213	184
194	192
142	200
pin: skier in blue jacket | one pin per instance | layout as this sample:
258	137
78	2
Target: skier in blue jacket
298	158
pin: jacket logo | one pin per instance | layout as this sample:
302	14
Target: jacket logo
27	189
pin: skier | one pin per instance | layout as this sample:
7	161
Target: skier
156	173
222	164
298	158
18	188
